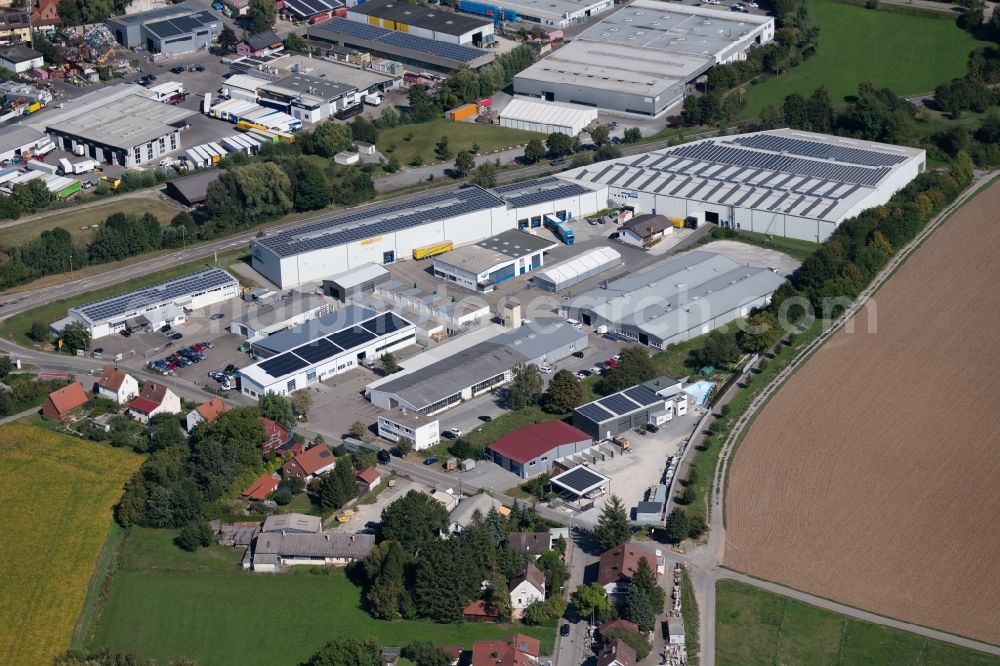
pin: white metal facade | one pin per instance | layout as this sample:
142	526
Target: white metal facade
536	115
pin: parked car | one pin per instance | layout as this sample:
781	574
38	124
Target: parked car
98	352
545	369
486	418
176	335
230	369
125	333
611	363
207	344
177	70
582	374
217	316
578	354
199	68
430	461
652	428
595	370
456	432
564	630
384	457
558	162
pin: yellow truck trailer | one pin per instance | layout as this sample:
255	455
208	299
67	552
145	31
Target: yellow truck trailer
432	250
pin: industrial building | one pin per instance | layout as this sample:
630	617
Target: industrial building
416	53
475	370
494	260
783	182
675	300
529	201
20	59
634	407
264	320
366	79
639	59
531	450
421	21
120	125
20	140
307	98
377	235
192	190
536	115
645	230
154	306
574	271
360	281
548	13
422	430
311	10
323	347
170	30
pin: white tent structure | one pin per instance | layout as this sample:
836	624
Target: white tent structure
577	269
536	115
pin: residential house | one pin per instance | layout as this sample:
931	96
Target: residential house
480	611
15	27
315	461
368	479
259	45
617	565
206	412
117	385
447	497
261	488
534	544
275	437
461	516
293	523
274	550
60	403
527	587
616	653
236	8
518	650
45	14
154	399
645	230
455	652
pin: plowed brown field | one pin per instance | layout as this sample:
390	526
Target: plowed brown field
873	476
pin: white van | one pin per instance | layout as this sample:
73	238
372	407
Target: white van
575	324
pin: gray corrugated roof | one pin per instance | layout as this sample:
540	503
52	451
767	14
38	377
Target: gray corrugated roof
334	546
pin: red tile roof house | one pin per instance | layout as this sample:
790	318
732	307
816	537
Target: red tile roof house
261	488
518	650
275	437
480	611
617	565
153	399
368	479
316	461
206	412
117	385
63	401
616	653
531	450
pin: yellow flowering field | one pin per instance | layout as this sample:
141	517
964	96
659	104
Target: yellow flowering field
56	499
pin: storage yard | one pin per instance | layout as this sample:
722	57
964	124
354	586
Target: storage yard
889	503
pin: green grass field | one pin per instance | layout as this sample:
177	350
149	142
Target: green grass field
57	494
758	627
461	136
16	232
793	247
909	54
165	602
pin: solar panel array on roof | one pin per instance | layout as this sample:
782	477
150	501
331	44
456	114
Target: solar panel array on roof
359	225
546	194
454	52
595	413
384	324
317	350
642	395
618	404
712	152
580	479
352	337
131	301
783	144
307	8
282	364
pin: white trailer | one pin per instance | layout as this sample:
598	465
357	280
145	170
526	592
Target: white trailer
373	100
167	90
86	166
36	165
65	165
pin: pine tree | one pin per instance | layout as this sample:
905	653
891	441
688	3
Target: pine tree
613	528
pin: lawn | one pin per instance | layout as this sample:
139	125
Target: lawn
461	136
758	627
165	603
793	247
909	54
74	217
57	496
15	328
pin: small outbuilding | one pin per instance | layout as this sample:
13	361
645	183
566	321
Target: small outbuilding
645	230
193	190
19	59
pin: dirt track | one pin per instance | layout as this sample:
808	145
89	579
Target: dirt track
871	478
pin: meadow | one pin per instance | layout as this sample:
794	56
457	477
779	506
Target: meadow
461	136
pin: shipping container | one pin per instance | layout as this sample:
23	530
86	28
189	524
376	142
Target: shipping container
432	250
463	113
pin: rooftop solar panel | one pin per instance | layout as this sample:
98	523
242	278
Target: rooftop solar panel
580	479
642	395
595	413
317	351
170	290
618	404
351	338
283	364
384	324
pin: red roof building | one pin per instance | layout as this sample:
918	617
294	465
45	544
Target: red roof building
616	653
45	13
312	462
154	399
518	650
619	563
531	450
480	611
261	488
63	401
368	479
618	624
275	437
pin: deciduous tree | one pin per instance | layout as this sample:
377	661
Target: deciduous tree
526	386
414	520
464	163
301	401
277	408
592	601
534	151
261	15
563	394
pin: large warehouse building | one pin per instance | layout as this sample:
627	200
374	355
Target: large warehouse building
675	300
421	21
783	182
323	347
477	369
156	305
548	13
484	265
639	59
172	29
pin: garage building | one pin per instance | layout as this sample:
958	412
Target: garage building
493	261
676	299
475	370
156	305
420	21
170	30
535	115
574	271
321	348
531	450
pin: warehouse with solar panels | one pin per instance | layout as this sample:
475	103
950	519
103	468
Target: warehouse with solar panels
155	305
420	21
612	415
169	30
416	53
323	347
781	182
378	235
530	201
